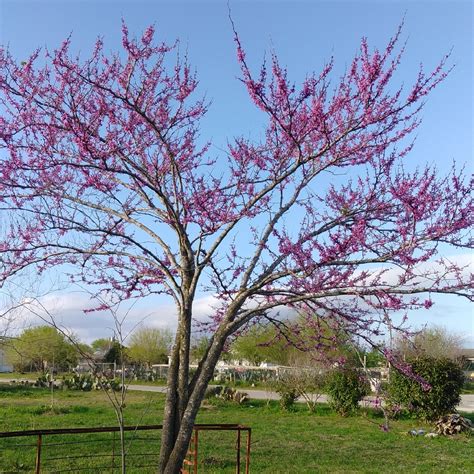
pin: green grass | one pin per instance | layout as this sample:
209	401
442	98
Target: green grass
19	375
468	387
295	442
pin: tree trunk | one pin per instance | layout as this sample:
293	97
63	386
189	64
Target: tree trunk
177	385
184	348
170	416
177	425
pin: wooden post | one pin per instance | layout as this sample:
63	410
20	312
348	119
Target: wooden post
38	455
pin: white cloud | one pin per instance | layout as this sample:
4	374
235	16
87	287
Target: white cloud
67	309
425	271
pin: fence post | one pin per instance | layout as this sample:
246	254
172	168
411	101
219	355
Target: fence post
38	455
113	453
196	445
247	460
237	470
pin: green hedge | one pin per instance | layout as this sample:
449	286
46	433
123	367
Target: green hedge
346	387
446	379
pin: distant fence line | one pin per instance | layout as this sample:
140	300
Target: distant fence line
243	373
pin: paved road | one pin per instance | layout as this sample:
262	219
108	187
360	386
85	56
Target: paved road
466	405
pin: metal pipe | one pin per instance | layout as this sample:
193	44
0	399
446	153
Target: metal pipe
247	455
237	470
196	451
38	455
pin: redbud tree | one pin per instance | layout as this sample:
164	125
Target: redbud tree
103	171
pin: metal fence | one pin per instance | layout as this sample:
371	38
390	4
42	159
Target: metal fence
98	449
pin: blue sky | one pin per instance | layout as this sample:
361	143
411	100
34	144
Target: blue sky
304	34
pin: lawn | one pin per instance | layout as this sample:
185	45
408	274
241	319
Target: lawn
295	442
468	387
19	376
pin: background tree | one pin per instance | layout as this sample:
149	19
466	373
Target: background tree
41	348
374	358
109	350
294	343
262	344
199	347
435	342
150	346
102	344
103	169
116	353
83	349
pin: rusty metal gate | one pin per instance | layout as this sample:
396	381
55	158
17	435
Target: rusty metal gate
108	457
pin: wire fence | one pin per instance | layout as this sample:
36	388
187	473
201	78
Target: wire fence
225	447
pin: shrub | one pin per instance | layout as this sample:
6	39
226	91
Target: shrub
346	387
288	396
445	378
301	382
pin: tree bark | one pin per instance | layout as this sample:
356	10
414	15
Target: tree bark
177	441
170	417
184	349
